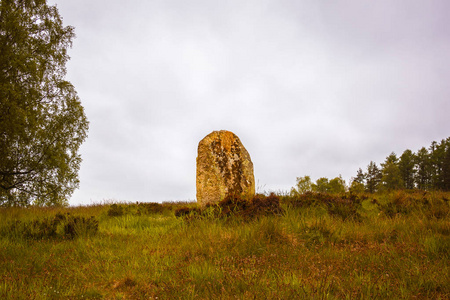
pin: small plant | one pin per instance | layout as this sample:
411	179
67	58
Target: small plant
115	210
344	208
60	226
77	226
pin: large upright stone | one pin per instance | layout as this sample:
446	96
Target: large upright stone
223	167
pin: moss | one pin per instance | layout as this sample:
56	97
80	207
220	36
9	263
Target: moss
224	167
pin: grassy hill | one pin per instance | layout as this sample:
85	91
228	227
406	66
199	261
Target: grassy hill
391	245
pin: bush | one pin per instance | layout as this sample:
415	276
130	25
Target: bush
234	205
345	207
60	226
262	205
115	210
77	226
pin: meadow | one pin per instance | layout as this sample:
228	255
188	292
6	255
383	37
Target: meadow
313	246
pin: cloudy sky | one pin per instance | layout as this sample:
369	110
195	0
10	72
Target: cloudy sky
311	87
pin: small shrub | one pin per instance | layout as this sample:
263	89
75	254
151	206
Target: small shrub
77	226
262	205
235	206
345	207
115	210
60	226
232	205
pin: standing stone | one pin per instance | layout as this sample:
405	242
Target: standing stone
224	167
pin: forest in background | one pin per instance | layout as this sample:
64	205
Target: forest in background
428	169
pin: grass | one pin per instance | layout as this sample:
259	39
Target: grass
394	246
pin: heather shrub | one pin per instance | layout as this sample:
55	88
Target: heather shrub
235	206
345	207
115	210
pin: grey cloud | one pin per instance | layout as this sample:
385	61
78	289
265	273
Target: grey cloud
311	87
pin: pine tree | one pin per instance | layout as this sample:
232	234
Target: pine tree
423	173
446	166
392	178
358	183
437	157
373	177
407	168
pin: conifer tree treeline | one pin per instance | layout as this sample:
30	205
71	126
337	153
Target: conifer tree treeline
427	169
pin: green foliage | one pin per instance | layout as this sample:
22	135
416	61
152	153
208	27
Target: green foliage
423	165
357	187
391	174
303	185
336	185
446	168
321	185
428	169
373	177
42	122
310	251
407	170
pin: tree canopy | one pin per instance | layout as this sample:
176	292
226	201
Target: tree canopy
42	123
427	169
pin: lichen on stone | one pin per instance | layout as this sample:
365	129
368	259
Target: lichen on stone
224	167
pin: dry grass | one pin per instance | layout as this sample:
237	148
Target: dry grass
396	247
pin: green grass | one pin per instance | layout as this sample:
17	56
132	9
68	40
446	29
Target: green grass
398	247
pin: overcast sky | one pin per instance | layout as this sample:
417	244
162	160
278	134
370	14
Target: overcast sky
314	87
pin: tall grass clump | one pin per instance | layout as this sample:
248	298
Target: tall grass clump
65	226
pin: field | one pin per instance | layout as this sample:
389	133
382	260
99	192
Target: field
382	246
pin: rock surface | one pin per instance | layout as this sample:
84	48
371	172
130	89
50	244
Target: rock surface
224	167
